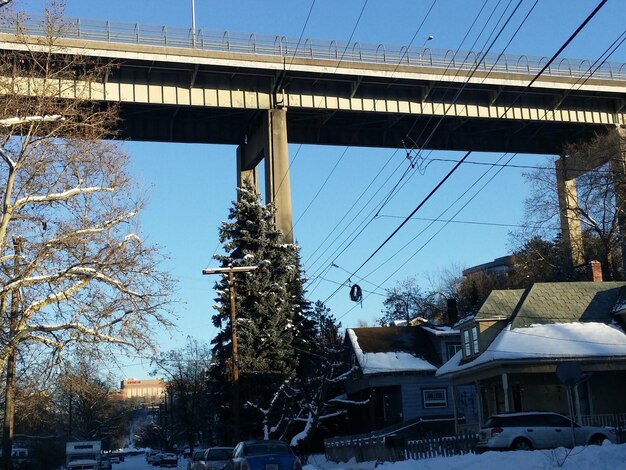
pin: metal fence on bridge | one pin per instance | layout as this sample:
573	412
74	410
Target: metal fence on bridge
291	48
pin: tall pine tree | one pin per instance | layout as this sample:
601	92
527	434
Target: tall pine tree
264	309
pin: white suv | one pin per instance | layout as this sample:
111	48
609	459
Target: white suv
537	430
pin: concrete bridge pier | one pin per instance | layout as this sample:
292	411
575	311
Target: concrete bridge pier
571	232
567	170
618	167
266	138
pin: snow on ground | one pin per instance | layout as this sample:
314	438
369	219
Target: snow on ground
607	456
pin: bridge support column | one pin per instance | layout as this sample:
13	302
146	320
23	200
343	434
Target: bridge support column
570	222
267	139
618	167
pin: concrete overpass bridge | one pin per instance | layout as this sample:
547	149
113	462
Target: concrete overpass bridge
261	92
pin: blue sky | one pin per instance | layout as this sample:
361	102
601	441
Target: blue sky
189	188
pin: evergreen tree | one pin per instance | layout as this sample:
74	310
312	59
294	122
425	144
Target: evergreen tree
265	307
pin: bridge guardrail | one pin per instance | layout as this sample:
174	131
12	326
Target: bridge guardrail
291	48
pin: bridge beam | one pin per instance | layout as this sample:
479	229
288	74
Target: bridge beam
267	139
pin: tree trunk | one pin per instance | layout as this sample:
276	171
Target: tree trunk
9	404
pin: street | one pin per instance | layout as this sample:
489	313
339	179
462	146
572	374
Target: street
138	462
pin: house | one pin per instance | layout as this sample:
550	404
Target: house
513	347
393	376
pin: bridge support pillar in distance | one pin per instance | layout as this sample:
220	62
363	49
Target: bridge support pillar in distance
618	167
267	139
571	232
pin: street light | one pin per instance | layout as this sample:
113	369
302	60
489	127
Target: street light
230	271
423	48
193	23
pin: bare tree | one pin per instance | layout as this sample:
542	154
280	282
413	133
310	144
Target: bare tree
74	271
186	371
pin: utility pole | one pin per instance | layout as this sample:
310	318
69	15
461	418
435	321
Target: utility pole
230	271
9	404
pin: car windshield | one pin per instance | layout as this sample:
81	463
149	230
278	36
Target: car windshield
267	449
219	454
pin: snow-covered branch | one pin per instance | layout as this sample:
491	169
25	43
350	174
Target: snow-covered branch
8	160
63	196
93	230
343	376
93	332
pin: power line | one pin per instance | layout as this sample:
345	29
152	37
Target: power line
457	165
306	22
388	161
463	222
363	225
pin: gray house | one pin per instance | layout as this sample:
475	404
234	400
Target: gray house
513	347
393	377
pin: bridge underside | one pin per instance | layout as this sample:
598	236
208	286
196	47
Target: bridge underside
257	103
230	126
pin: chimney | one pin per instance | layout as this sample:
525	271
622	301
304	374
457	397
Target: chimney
594	271
453	313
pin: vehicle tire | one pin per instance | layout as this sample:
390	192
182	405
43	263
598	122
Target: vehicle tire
521	444
597	440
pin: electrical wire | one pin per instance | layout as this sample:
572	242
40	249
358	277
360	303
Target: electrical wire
363	225
526	88
306	22
389	160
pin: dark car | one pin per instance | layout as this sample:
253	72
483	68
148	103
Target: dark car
216	458
537	430
196	461
169	460
264	455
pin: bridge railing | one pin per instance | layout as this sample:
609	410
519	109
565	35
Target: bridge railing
291	48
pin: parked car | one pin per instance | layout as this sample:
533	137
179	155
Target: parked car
263	455
216	458
156	459
150	454
196	461
168	460
537	430
105	463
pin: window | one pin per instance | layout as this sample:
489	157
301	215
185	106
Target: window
453	349
475	339
466	344
435	398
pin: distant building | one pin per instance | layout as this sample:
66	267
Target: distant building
497	266
144	390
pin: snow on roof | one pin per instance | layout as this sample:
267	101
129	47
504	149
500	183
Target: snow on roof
382	362
551	341
441	330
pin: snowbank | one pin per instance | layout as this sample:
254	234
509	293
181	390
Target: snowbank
607	456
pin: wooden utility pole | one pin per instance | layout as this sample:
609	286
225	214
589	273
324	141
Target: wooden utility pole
230	271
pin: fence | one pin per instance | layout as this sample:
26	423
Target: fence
617	421
290	48
393	448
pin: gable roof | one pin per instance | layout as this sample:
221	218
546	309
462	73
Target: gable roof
500	305
566	302
549	342
392	349
551	321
